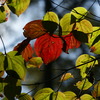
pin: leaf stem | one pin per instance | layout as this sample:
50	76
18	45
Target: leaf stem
3	45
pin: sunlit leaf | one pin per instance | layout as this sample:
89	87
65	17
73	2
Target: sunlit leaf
86	97
70	95
96	90
66	76
84	84
4	13
15	65
34	29
65	24
84	59
2	58
24	96
18	6
51	16
79	12
48	47
70	42
35	62
43	94
57	96
27	52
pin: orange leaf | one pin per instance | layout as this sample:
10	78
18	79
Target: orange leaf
26	53
48	47
34	29
70	42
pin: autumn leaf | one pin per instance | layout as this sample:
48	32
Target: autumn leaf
27	51
86	97
18	6
34	29
70	42
66	77
48	47
35	62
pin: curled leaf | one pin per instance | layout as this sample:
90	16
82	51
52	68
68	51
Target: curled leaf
34	29
35	62
66	76
48	47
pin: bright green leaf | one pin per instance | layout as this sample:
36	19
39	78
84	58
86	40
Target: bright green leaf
65	24
66	77
2	58
35	62
43	94
79	12
16	66
24	96
82	59
86	97
84	84
70	95
18	6
51	16
57	96
96	90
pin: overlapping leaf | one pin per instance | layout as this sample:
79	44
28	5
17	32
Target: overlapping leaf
79	12
70	42
70	95
83	59
34	29
18	6
84	84
35	62
27	52
15	65
48	47
96	90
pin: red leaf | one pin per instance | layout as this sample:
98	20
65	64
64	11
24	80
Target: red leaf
48	47
70	42
26	53
34	29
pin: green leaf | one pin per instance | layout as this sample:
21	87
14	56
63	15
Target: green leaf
43	94
18	6
79	12
51	16
24	96
57	96
50	26
86	97
2	58
80	36
84	84
96	90
82	59
65	24
2	85
2	14
16	66
70	95
35	62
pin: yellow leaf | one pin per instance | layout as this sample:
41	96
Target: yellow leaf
35	62
86	97
51	16
66	77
